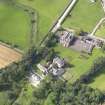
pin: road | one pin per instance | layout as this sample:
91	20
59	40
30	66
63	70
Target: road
97	26
64	15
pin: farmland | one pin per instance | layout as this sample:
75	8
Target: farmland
15	26
84	16
8	55
15	30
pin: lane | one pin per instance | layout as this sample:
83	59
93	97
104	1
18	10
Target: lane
64	15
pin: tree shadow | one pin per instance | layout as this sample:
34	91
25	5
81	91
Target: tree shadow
92	78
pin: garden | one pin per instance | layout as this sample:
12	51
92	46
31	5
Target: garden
80	62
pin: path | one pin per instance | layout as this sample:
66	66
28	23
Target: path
95	37
97	26
64	15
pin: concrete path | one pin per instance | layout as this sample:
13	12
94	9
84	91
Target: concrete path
97	26
64	15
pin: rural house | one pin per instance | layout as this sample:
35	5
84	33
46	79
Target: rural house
66	38
57	71
59	62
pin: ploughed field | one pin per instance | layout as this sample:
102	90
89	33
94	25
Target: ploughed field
8	56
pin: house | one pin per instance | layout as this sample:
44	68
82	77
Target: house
93	41
57	71
89	48
98	43
66	38
88	44
42	68
59	62
34	79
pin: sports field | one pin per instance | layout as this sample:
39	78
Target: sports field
48	11
85	15
8	55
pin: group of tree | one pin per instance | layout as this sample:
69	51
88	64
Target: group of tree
97	67
54	91
14	77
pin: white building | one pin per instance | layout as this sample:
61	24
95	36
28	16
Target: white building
57	72
59	62
66	38
35	79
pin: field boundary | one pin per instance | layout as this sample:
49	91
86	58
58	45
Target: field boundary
13	48
56	21
33	19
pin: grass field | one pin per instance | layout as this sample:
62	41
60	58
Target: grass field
84	16
80	62
48	11
14	26
101	31
99	81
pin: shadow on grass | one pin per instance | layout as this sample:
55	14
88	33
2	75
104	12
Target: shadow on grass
96	75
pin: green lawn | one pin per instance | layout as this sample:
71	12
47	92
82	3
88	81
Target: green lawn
80	64
48	11
101	31
85	15
99	81
14	25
